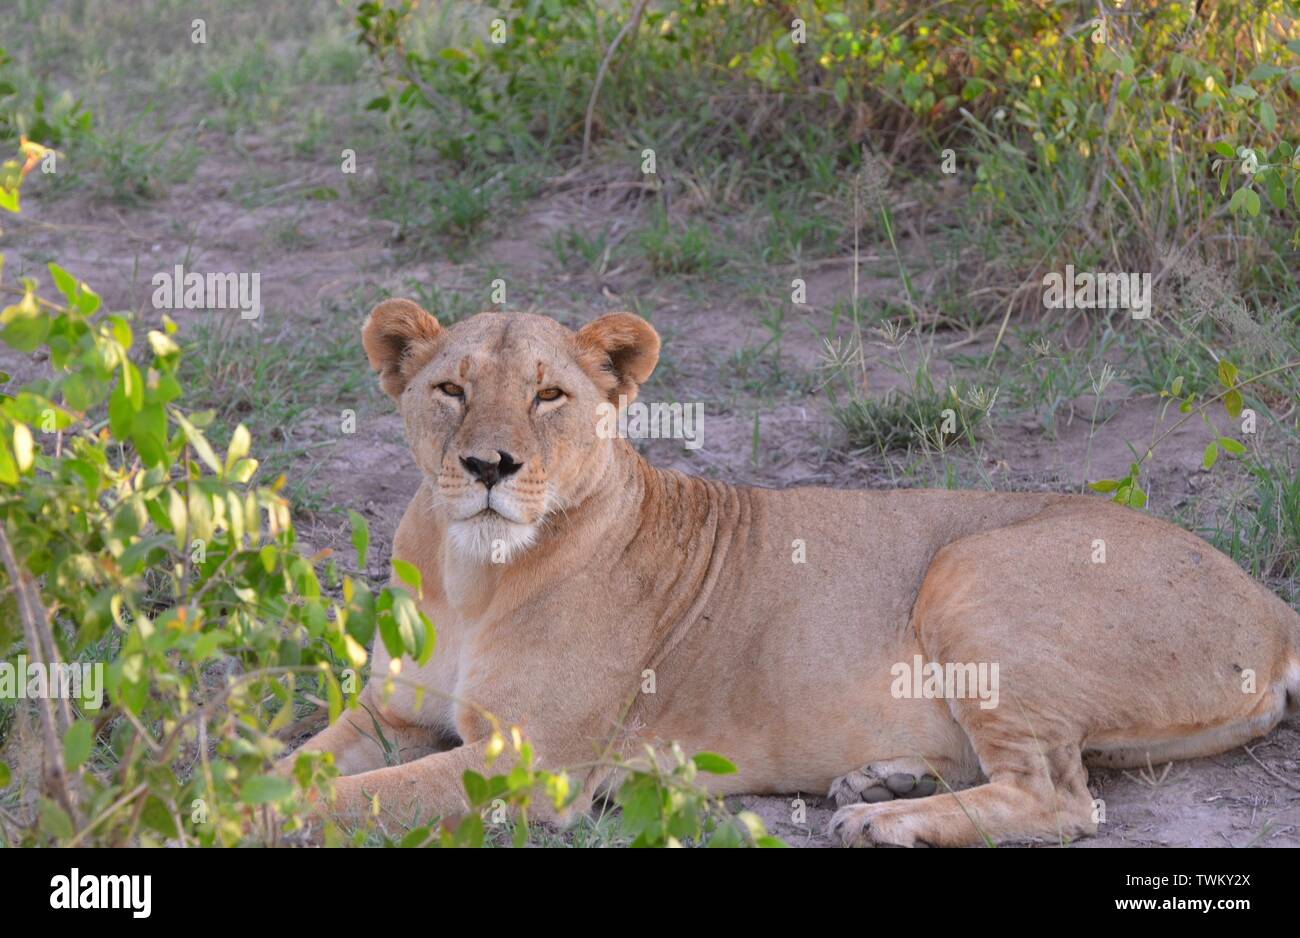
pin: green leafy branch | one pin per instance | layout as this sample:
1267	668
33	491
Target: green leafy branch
1128	491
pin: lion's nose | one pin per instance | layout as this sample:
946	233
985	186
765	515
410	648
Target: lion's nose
490	473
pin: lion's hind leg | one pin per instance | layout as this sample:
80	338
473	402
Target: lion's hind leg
1051	803
994	657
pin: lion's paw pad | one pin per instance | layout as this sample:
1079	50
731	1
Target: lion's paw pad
866	786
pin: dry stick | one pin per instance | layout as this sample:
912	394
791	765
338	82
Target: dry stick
49	653
109	812
1011	303
32	614
1288	784
632	23
40	639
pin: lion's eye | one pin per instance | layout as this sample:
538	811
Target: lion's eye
550	394
451	390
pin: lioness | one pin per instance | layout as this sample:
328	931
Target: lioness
559	566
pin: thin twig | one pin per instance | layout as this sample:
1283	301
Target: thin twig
1198	411
109	812
632	23
1289	784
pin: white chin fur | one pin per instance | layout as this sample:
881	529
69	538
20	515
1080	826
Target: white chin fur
491	539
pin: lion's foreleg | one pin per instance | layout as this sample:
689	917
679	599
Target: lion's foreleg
370	737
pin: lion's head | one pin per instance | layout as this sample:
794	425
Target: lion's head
501	411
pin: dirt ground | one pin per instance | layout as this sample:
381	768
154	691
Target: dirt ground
341	250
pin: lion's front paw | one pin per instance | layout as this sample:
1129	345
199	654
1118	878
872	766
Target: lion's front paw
873	825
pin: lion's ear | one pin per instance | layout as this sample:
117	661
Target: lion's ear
620	350
398	338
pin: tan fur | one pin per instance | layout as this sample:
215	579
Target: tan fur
614	568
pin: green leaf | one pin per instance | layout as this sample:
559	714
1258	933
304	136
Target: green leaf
198	441
120	412
8	468
79	296
24	447
132	385
163	345
1267	116
178	517
158	818
1274	188
728	836
87	300
5	776
164	389
360	538
80	391
428	640
242	471
1227	373
1211	455
476	788
265	789
409	626
25	332
713	763
64	282
1252	203
1264	71
416	837
334	694
1228	444
470	831
1232	403
55	821
388	632
1225	149
1104	485
408	574
149	434
240	441
76	744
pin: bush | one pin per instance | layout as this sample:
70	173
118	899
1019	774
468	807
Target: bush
128	539
1120	130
